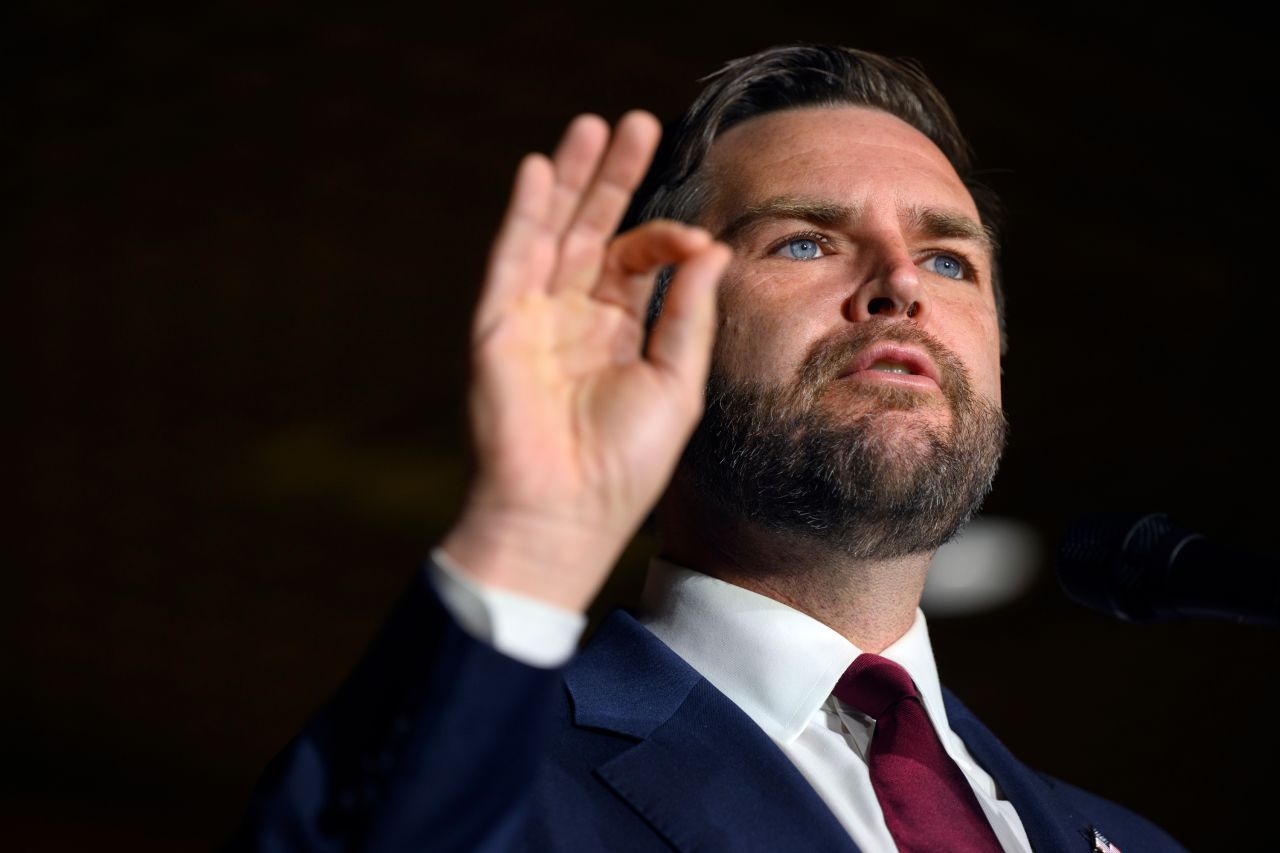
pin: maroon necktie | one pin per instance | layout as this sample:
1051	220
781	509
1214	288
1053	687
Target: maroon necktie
926	800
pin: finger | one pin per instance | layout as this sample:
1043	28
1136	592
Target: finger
633	260
680	343
576	160
523	254
605	201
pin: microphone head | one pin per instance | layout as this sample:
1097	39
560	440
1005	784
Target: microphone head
1106	560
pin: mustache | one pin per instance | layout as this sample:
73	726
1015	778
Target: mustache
828	356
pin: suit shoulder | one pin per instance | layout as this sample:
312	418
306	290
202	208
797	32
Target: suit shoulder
1053	811
1131	830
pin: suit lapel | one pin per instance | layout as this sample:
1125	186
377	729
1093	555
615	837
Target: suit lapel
702	774
1052	824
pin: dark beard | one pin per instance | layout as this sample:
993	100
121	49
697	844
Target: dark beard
774	459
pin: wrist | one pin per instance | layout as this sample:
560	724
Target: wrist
555	561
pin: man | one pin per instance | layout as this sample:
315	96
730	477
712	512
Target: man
835	304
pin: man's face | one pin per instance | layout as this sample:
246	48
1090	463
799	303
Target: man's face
856	389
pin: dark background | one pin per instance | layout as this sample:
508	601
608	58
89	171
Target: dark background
245	242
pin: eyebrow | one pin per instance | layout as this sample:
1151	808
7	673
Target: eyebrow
945	225
824	213
929	222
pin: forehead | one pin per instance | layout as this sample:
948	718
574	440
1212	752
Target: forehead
852	155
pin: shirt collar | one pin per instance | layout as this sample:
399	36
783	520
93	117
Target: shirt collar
777	664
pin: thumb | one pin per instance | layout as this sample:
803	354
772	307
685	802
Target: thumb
680	343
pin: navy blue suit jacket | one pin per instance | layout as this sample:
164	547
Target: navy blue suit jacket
439	742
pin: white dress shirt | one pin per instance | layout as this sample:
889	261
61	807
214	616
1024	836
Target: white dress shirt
775	663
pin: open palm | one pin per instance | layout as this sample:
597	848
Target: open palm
576	428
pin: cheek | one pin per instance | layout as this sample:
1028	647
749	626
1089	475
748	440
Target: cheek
978	337
761	330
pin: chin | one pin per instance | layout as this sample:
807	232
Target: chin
897	429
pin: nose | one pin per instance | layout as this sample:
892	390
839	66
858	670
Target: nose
892	291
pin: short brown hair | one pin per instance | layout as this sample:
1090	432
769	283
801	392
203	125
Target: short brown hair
802	76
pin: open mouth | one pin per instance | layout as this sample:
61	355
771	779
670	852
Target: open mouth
889	361
884	365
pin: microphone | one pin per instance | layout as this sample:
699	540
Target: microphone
1144	568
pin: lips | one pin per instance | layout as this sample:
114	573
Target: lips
894	358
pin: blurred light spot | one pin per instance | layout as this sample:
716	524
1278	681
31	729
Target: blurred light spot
989	565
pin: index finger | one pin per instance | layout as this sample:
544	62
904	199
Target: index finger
606	201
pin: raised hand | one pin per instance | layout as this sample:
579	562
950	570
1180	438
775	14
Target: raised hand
576	430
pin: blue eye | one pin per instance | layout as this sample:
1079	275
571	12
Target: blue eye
948	266
800	249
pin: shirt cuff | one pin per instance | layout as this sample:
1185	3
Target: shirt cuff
531	631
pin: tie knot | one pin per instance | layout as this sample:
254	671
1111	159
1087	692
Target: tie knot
873	685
